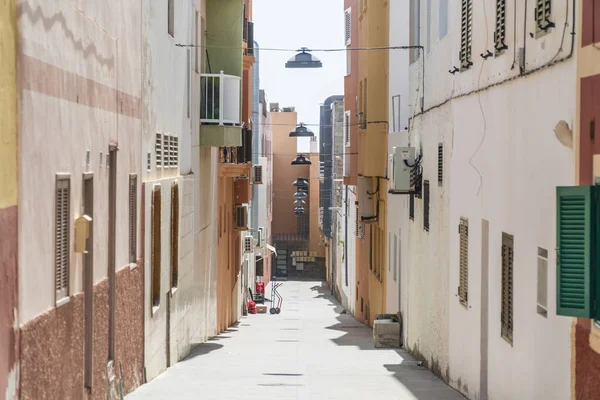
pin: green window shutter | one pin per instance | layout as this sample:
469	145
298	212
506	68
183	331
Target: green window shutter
575	238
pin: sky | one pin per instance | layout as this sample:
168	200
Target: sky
292	24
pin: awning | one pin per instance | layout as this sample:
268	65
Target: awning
272	249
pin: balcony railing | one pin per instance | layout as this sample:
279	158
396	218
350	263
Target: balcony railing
220	103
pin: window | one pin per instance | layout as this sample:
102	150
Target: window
132	218
348	26
390	251
197	40
443	23
500	32
440	164
426	206
428	45
156	245
542	284
348	62
411	207
371	248
463	279
506	316
365	105
543	10
396	255
466	33
158	150
62	239
575	281
415	29
174	234
396	111
171	17
347	128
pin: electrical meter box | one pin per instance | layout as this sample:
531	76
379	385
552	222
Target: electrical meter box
366	201
403	163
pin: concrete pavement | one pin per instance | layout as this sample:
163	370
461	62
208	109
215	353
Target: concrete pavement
309	351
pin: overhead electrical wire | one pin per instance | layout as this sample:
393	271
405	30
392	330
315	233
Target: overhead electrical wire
330	50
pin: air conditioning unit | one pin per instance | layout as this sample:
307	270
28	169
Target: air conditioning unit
257	176
248	244
241	218
261	238
402	166
366	200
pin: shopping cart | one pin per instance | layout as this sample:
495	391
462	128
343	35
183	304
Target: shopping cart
275	295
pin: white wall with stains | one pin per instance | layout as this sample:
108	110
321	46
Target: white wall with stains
501	164
186	314
79	82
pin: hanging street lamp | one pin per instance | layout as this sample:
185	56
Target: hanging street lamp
300	182
301	160
302	131
300	195
304	60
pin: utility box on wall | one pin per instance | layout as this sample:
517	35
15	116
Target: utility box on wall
366	201
242	191
403	161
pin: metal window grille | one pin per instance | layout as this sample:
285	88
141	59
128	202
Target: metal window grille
466	33
132	218
158	150
506	316
440	164
463	288
500	32
348	26
62	218
426	206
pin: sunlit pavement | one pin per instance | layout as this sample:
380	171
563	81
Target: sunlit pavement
308	351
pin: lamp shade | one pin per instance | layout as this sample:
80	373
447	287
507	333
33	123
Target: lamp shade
299	195
300	182
299	202
302	131
299	210
304	60
301	160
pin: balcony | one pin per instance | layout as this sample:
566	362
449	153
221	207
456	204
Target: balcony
220	110
236	161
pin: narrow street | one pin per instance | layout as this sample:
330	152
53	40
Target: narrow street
309	351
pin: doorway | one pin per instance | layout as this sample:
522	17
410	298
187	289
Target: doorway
88	279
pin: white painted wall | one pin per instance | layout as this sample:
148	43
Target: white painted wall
502	163
168	74
397	228
398	61
55	134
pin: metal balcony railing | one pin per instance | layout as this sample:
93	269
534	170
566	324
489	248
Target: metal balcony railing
220	103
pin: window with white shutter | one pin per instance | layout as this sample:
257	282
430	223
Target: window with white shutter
156	245
62	239
500	32
348	26
161	157
543	11
347	128
506	315
466	33
463	288
132	218
542	284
